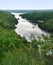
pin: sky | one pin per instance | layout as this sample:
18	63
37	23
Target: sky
26	4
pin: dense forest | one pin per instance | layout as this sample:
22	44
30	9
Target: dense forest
43	18
15	50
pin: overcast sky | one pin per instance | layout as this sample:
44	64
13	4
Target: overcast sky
26	4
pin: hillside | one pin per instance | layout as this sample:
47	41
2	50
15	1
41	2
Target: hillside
43	18
15	50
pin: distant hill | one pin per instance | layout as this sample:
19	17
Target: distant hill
20	11
28	11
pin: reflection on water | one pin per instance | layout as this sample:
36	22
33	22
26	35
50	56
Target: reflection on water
27	29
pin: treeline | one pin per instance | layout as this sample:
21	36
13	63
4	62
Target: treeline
15	50
44	19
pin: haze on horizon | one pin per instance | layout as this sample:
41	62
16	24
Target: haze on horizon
26	4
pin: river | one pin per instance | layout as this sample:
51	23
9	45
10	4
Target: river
26	29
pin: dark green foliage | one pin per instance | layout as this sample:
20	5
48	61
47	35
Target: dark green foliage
37	17
8	38
7	20
47	25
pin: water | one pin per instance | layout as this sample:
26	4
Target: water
26	29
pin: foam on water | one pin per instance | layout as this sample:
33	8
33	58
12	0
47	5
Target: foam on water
27	29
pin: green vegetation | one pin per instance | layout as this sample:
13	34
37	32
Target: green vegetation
15	50
7	20
44	19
